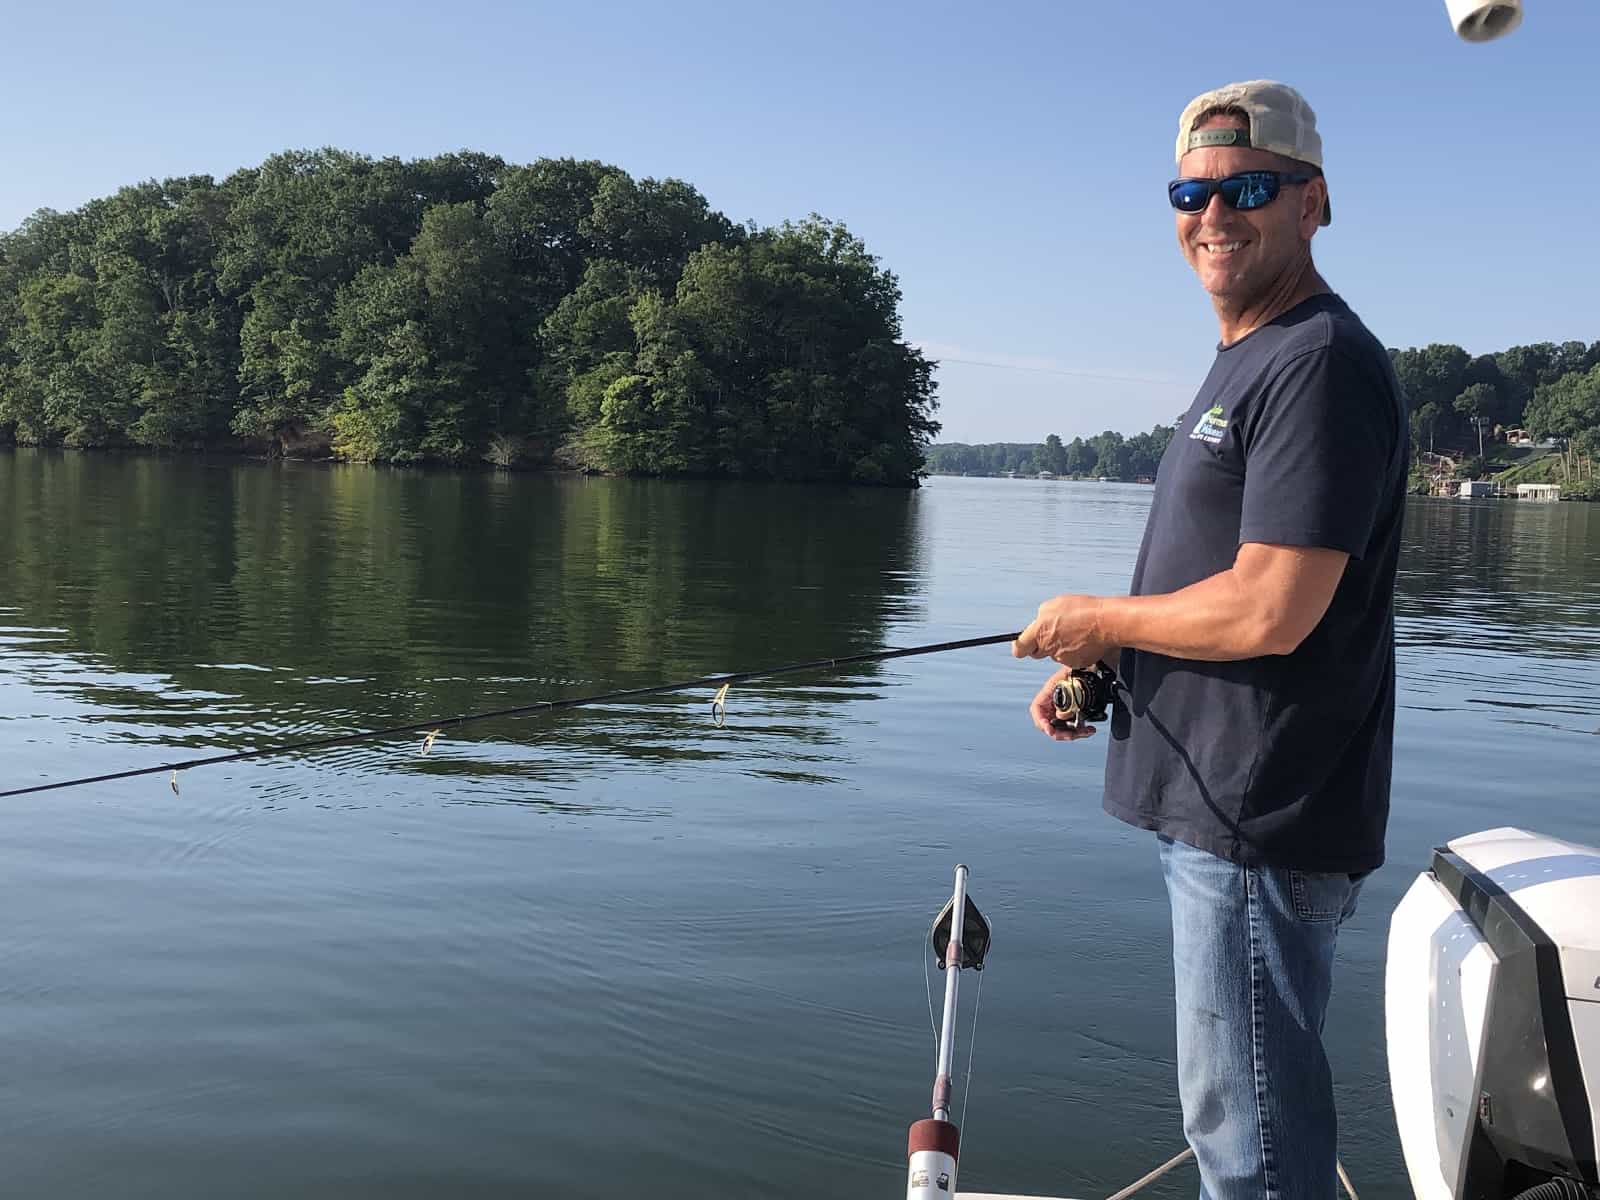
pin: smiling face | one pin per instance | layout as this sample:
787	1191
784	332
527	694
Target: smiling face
1244	258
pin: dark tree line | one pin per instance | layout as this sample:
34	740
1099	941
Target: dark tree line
1108	455
1549	391
459	308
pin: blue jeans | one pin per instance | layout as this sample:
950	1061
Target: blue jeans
1252	953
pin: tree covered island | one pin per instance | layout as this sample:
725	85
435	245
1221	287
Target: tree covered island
456	309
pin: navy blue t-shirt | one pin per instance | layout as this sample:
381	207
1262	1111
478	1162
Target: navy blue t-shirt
1298	437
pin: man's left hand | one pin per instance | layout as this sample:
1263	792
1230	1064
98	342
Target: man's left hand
1067	630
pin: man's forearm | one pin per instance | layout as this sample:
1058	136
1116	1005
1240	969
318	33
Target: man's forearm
1268	602
1211	621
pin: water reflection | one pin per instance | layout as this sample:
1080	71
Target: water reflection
213	606
1500	575
1498	614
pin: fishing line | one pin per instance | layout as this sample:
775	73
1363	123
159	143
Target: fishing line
432	728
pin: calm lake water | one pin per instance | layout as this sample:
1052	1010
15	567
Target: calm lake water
621	950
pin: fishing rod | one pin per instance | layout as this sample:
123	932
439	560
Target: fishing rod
432	729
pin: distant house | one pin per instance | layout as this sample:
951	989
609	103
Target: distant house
1472	489
1538	491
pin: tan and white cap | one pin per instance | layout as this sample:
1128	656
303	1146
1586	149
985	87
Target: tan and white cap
1280	121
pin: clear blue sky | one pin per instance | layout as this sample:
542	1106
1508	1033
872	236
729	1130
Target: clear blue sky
1007	161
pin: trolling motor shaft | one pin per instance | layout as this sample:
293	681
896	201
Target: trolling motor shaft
952	977
960	939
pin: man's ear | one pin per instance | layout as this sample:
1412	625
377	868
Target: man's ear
1313	200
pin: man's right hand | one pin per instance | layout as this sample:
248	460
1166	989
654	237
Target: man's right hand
1043	711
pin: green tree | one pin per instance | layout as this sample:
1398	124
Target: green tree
1424	421
1569	408
540	217
1145	451
1115	460
1522	369
1082	458
1054	455
1436	374
652	227
170	335
431	336
779	356
302	226
1476	403
56	388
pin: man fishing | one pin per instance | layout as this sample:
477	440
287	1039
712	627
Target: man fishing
1254	730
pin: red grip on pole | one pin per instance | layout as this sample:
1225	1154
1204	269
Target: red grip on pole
929	1134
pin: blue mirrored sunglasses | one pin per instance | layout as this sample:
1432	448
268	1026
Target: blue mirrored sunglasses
1246	190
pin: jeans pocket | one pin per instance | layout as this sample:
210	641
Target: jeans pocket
1318	896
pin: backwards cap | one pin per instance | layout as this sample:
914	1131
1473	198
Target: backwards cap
1280	121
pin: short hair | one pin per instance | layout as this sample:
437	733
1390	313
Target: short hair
1221	110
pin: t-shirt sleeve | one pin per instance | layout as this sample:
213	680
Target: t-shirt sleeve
1318	454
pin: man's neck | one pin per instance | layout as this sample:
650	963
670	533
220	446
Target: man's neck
1295	286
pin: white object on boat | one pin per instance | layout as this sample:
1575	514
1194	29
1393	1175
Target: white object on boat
934	1144
1492	1010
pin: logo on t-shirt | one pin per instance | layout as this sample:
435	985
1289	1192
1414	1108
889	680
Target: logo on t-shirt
1210	427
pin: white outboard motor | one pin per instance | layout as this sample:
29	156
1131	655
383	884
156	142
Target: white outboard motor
1492	1008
